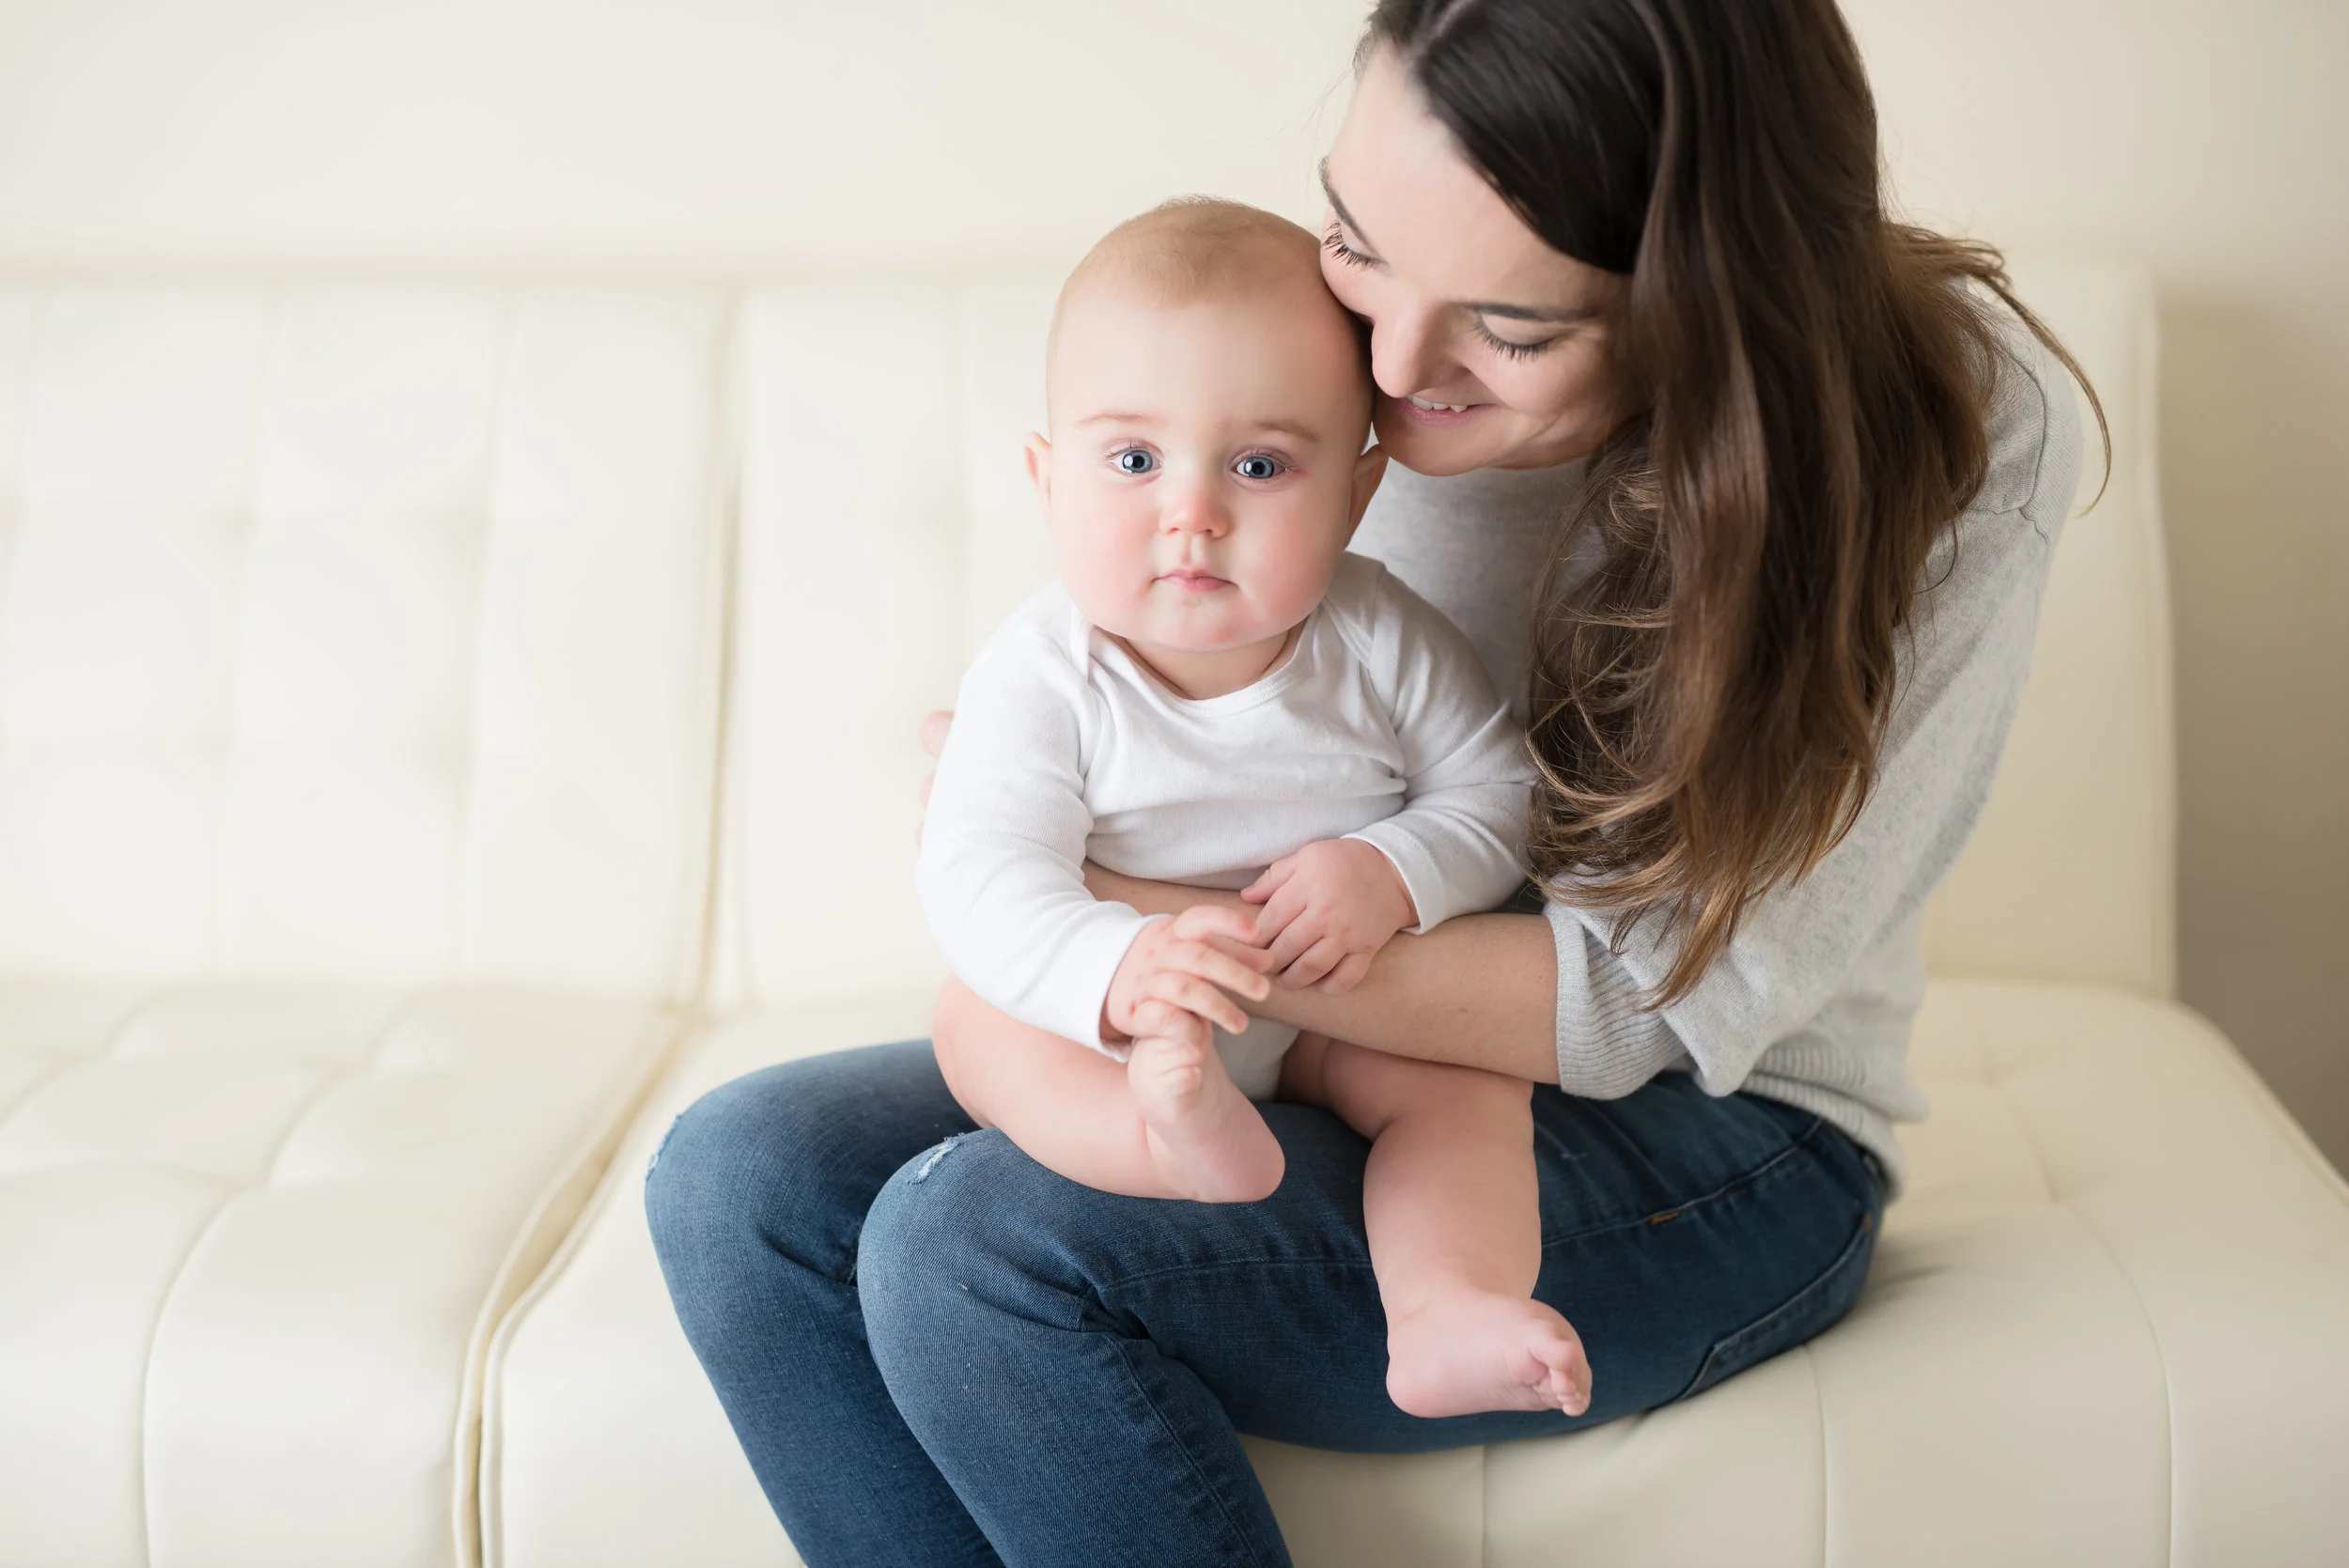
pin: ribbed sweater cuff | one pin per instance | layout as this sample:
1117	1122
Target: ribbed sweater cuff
1608	1045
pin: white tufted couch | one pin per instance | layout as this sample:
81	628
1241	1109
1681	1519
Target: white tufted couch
444	729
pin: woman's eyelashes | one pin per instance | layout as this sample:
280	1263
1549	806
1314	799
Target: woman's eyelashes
1500	345
1334	241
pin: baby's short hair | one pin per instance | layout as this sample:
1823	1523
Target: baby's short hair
1192	248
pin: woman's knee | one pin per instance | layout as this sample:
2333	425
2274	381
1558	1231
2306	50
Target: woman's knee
970	1227
774	1155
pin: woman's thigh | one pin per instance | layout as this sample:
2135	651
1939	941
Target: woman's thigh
1685	1237
791	1155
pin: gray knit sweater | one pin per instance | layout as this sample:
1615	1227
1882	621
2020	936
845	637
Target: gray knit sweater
1811	1003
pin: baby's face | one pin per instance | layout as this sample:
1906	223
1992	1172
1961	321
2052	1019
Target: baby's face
1205	466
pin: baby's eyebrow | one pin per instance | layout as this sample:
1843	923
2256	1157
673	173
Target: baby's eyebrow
1288	427
1297	429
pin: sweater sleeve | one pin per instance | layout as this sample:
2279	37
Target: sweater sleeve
1958	686
1459	840
1000	871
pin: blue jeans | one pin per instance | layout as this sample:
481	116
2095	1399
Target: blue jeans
936	1352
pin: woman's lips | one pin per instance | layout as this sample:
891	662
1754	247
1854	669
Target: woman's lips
1439	417
1194	582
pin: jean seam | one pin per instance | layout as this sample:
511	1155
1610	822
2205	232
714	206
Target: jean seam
1802	1143
1862	1236
1198	1471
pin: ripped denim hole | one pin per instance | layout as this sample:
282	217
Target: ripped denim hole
653	1164
936	1154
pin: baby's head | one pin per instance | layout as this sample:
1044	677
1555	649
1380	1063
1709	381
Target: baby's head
1209	402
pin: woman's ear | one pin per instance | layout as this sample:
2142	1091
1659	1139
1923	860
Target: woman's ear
1039	456
1369	469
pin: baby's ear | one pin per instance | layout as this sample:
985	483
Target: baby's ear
1369	469
1039	454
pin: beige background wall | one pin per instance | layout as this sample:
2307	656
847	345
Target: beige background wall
731	137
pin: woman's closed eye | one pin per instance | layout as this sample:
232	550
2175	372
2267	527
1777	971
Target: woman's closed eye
1509	346
1334	241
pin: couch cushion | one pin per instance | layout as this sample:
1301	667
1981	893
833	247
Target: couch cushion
2103	1327
252	1243
358	632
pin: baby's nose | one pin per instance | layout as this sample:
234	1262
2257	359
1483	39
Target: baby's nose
1196	509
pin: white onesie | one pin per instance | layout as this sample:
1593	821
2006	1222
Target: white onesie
1381	725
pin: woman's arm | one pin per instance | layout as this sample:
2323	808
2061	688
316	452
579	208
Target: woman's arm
1479	991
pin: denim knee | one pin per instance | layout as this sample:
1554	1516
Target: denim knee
968	1227
745	1155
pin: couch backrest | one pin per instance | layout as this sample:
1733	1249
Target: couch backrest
358	631
2073	873
886	527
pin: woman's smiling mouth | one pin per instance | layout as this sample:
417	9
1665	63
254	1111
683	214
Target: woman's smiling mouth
1426	410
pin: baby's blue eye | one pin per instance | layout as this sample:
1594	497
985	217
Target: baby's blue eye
1256	467
1136	461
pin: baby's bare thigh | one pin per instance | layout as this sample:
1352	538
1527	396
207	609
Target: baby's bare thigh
1369	1089
1004	1072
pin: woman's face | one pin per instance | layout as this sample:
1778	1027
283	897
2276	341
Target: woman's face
1490	348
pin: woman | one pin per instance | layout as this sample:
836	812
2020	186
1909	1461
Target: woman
1752	492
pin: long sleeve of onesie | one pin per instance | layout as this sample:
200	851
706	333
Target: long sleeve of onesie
1002	867
1458	842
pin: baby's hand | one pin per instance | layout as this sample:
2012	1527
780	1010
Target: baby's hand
1166	986
1328	908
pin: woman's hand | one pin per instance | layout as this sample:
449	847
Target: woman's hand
933	733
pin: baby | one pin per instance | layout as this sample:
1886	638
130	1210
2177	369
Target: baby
1216	694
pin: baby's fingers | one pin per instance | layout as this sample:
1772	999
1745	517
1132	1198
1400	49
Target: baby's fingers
1214	920
1313	963
1348	975
1268	884
1296	940
1194	995
1216	968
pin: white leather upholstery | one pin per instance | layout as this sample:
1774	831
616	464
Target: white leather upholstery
359	692
2102	1327
357	723
2073	873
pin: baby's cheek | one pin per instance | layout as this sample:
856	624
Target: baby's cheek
1099	578
1290	584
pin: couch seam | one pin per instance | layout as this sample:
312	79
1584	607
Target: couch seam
236	1190
687	1021
461	882
2152	1332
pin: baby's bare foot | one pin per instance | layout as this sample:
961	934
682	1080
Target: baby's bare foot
1207	1141
1472	1350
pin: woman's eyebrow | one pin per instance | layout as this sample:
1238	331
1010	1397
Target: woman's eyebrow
1527	313
1565	316
1338	207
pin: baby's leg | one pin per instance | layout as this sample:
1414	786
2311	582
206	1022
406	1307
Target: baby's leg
1455	1230
1168	1123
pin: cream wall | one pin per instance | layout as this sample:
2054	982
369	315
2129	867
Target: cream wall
732	137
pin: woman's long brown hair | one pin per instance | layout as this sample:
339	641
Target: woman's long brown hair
1808	381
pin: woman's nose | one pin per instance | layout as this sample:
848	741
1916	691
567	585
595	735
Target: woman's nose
1406	354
